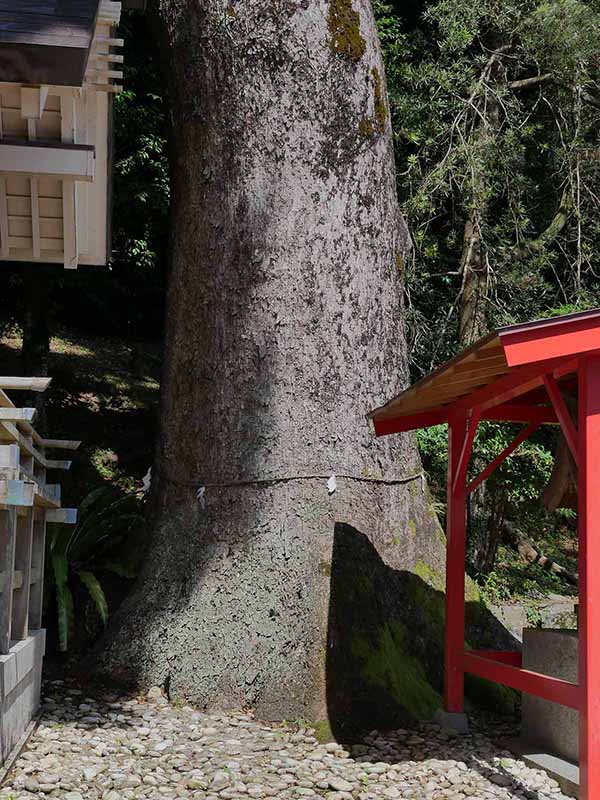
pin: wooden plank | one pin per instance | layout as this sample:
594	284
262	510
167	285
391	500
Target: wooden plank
20	609
104	73
110	88
8	531
9	457
17	580
17	414
4	246
66	516
70	225
555	690
33	100
35	218
38	554
71	9
25	384
109	42
44	499
51	464
564	415
75	162
68	131
11	433
109	58
528	431
61	444
14	492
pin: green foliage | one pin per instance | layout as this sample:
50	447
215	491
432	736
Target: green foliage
472	141
522	477
108	538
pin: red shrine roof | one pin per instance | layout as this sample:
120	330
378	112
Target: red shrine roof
511	362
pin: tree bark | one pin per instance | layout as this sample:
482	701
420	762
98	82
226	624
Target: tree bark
284	328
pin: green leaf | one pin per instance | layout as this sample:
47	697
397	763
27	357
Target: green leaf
96	592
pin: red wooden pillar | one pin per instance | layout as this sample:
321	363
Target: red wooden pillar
456	526
589	577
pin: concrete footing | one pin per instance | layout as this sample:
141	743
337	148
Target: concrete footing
459	723
20	685
565	773
554	728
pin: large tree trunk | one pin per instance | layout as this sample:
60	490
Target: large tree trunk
284	327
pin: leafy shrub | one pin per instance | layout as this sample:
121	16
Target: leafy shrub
106	539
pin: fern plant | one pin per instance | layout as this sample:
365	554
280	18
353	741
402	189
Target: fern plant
106	538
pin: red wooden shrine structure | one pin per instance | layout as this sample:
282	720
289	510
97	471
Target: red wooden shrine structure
522	374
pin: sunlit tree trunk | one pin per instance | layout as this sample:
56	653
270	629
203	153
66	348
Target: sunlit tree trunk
284	328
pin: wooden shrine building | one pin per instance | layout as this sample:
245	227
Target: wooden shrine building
521	374
59	67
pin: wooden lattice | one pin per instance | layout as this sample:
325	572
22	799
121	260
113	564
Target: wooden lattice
27	503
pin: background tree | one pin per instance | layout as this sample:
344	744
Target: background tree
496	111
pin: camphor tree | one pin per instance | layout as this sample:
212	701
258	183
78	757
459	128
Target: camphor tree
496	110
284	328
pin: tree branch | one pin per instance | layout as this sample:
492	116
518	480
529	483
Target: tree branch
527	83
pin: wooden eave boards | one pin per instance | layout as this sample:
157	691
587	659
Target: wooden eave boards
55	148
46	41
494	356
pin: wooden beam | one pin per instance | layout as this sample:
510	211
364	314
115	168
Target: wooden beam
17	414
516	383
68	133
456	519
35	218
25	384
67	516
9	457
71	249
589	585
109	58
520	412
465	454
4	246
493	465
8	531
512	657
76	162
38	554
50	464
109	42
20	609
523	680
16	493
564	415
507	412
566	337
61	444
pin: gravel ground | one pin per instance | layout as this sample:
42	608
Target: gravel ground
109	748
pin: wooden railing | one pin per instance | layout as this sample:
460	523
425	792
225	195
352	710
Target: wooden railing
27	504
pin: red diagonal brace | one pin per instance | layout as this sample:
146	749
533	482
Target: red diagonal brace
527	431
563	414
465	453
